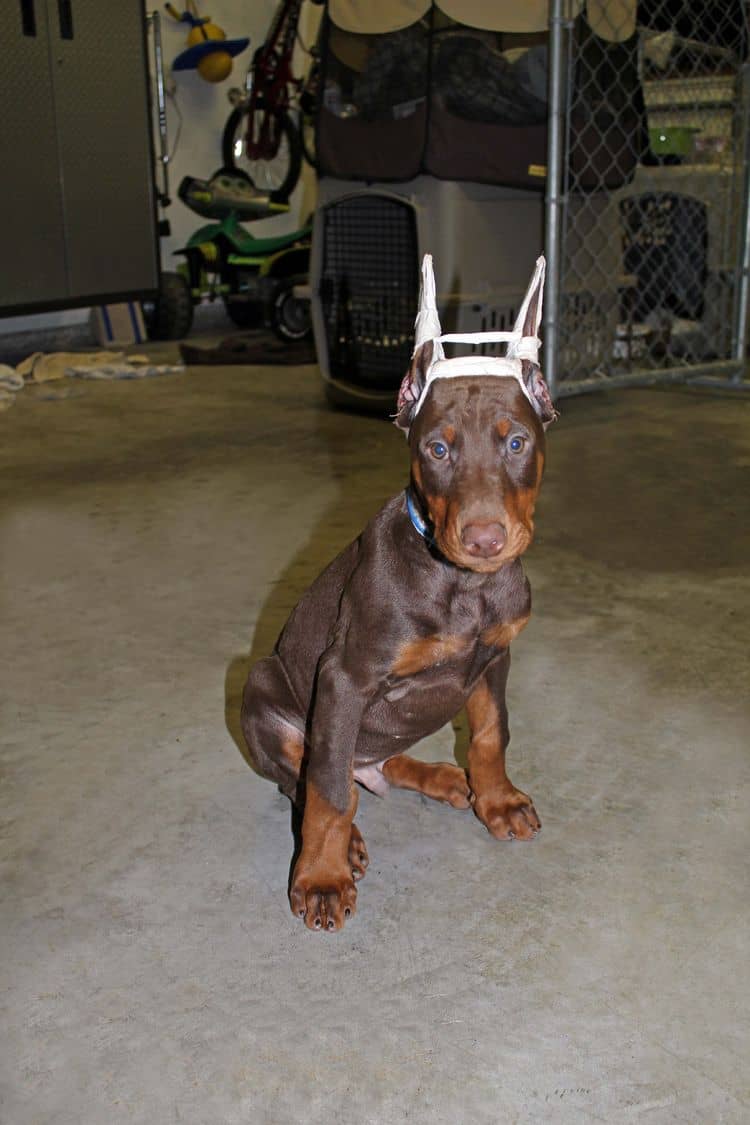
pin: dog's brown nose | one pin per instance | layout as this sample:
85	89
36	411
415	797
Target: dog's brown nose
483	540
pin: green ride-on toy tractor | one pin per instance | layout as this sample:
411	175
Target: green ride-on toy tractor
260	280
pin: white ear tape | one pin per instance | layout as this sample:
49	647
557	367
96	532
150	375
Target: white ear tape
427	325
520	346
527	347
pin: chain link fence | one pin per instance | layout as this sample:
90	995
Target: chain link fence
647	204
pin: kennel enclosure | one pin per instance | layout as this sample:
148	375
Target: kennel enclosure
482	133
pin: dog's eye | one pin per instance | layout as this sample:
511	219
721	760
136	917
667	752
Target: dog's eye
516	444
438	450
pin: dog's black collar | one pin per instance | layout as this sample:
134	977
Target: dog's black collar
416	518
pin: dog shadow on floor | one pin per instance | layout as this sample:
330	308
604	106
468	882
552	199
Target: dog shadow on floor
364	460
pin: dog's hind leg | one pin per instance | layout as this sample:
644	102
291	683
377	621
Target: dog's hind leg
442	781
272	729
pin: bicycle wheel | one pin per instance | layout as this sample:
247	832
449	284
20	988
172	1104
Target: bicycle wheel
307	139
279	175
308	104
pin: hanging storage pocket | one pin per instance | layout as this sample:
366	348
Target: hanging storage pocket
372	118
608	125
488	106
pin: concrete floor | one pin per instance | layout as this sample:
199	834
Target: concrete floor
154	535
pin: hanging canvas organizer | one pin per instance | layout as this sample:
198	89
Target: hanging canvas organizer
459	90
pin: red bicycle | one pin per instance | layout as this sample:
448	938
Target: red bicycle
261	136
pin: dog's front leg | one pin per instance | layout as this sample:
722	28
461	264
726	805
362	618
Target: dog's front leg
322	890
506	812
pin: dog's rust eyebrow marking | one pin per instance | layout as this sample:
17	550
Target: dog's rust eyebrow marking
449	433
501	634
504	427
415	656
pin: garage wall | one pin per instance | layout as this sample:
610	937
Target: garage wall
204	108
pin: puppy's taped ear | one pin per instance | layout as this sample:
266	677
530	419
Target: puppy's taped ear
535	384
530	316
412	386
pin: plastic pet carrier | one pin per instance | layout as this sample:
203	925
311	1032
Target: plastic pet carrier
368	290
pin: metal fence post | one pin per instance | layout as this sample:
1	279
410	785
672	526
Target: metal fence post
553	197
743	287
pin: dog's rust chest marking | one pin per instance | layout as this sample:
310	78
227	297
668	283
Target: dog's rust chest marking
501	634
428	652
425	652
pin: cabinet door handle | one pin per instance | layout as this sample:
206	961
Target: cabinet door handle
65	12
28	18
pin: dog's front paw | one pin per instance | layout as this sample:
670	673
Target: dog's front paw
323	897
508	814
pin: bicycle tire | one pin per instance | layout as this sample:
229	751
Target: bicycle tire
307	140
279	185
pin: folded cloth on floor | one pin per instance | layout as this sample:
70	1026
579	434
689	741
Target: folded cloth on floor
10	380
43	366
258	349
125	370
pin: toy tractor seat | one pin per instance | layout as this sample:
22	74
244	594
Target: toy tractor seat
228	191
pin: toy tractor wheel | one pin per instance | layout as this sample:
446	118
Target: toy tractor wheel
290	315
169	315
245	314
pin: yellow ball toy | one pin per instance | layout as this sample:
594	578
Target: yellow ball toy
203	32
213	63
215	67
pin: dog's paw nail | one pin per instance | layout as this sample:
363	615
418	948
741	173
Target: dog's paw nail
347	912
330	924
317	923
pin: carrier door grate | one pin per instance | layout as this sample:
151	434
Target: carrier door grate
369	289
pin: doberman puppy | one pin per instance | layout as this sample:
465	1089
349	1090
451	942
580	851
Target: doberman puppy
411	623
